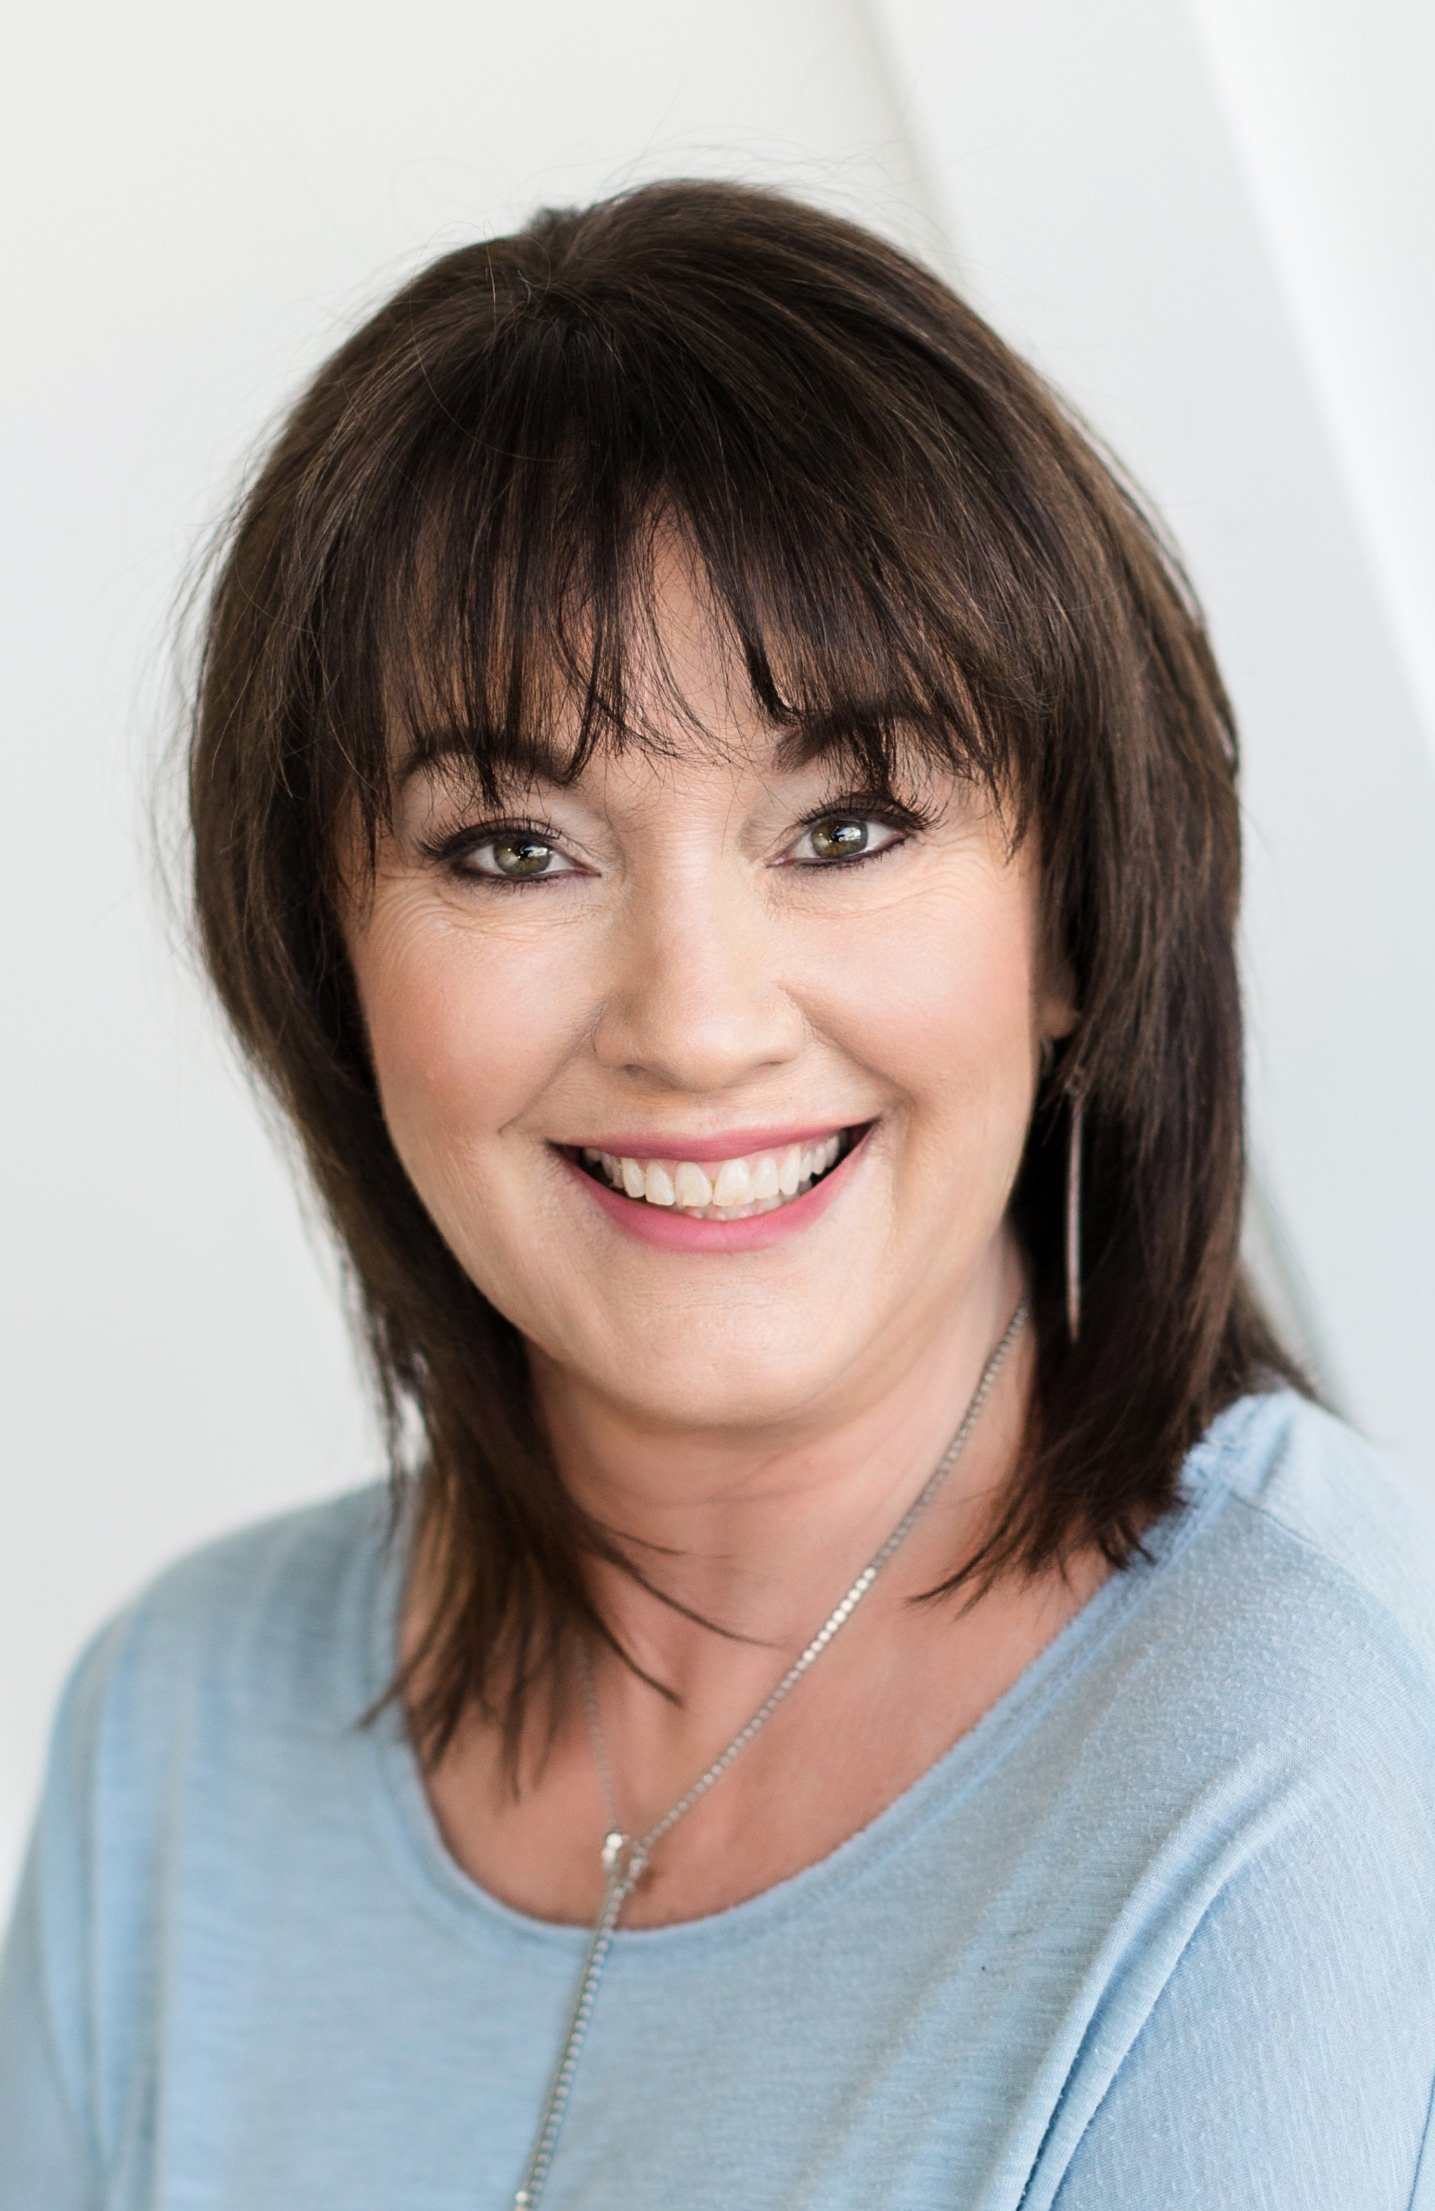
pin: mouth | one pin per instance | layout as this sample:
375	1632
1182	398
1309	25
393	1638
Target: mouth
737	1189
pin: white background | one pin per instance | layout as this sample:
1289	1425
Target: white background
1212	221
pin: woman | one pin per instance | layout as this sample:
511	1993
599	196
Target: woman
717	820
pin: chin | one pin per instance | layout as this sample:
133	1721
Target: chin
725	1382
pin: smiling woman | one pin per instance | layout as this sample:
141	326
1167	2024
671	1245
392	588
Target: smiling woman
782	1045
716	817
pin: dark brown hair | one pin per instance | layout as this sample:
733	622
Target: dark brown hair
911	541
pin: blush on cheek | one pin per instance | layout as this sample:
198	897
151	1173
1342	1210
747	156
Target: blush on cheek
945	1007
466	1032
939	1006
451	1028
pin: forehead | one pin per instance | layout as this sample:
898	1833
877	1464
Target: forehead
743	772
684	687
690	708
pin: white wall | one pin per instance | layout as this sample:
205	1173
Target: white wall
1201	273
1329	105
207	196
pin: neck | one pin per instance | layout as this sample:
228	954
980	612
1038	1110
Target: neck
756	1531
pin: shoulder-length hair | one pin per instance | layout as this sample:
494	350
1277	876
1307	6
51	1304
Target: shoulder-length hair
911	540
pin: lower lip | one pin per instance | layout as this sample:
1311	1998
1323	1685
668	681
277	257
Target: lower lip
671	1230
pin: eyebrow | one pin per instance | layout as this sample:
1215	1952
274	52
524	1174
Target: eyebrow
796	743
432	748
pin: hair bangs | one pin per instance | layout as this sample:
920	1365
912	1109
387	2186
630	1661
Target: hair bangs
907	546
496	602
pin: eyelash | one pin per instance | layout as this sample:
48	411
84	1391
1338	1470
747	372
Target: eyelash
451	851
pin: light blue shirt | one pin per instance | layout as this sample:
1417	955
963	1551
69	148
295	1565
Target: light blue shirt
1159	1931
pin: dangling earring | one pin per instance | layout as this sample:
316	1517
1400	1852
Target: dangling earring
1073	1218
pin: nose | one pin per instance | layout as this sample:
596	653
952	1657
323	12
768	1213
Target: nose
696	999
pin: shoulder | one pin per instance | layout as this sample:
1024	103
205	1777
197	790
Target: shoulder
1287	1634
1316	1514
1313	1476
1256	1778
260	1625
199	1730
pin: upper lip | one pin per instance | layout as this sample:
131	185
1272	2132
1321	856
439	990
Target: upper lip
727	1144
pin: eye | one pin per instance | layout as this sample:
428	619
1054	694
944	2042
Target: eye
843	834
511	855
519	859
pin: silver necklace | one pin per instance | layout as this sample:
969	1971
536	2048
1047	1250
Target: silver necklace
625	1857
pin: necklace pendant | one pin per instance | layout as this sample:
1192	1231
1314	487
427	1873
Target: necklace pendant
624	1863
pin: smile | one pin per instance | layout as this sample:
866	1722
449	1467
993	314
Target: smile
736	1189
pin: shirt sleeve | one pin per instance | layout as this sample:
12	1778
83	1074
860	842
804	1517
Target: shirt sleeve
45	2162
47	2158
1286	2064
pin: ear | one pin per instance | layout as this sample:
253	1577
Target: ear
1055	1007
1056	1010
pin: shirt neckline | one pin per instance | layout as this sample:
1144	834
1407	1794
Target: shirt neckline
465	1906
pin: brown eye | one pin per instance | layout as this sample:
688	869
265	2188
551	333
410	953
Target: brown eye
521	854
519	858
847	833
843	835
839	836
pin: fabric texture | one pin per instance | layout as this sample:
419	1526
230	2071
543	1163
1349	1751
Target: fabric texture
1160	1930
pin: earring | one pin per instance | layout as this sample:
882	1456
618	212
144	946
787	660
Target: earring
1073	1218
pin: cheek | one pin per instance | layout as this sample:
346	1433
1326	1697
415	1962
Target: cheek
463	1035
937	997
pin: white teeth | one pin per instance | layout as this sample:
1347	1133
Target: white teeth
734	1183
658	1185
690	1186
734	1189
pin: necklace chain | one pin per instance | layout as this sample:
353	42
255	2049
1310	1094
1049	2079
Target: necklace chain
626	1857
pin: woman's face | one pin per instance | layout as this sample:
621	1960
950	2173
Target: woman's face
620	1028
